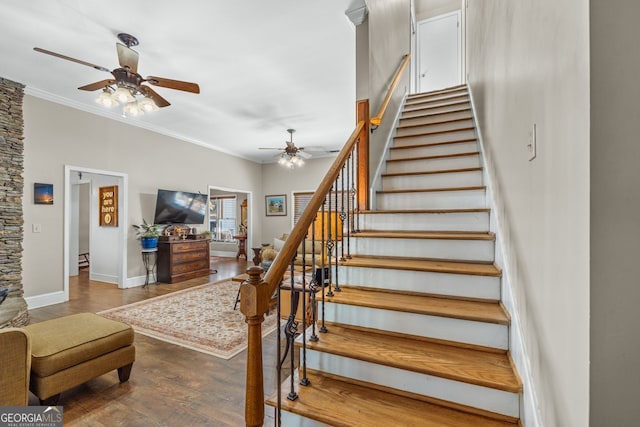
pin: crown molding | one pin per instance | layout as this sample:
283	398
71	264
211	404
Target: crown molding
357	14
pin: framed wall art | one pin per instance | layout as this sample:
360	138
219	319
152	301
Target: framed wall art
276	205
42	194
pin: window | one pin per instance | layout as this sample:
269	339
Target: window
222	218
301	200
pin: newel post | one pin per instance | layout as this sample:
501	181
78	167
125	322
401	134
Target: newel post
254	302
362	114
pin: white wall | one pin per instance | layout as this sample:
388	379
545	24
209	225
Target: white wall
426	9
615	223
106	243
280	180
528	62
56	136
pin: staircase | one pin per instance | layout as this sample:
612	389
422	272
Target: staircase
418	335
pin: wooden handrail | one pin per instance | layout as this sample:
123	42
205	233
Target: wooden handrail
375	121
284	257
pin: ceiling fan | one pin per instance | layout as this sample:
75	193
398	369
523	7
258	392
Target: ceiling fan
127	82
290	150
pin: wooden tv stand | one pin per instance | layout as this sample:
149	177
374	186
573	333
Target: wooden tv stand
180	260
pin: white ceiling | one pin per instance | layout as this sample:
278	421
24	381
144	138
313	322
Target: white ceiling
262	66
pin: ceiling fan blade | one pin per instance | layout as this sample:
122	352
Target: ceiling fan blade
127	57
97	85
270	148
160	101
68	58
174	84
303	154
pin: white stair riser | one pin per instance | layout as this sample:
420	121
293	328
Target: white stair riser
436	97
421	325
486	398
437	164
432	118
428	282
453	221
465	199
290	419
433	150
416	130
454	250
435	137
428	103
442	109
432	180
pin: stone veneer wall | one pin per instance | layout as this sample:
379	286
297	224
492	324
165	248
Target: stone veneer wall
13	311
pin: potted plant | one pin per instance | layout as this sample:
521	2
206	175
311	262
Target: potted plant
206	234
148	234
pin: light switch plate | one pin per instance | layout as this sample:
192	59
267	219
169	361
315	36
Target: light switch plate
36	228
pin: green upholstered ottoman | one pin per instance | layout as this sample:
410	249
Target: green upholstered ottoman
71	350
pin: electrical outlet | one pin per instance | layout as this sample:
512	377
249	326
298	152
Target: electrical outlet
36	228
531	147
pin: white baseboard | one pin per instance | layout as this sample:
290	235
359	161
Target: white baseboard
530	411
44	300
134	282
107	278
225	253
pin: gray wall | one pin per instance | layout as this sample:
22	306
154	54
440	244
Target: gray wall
56	136
615	223
388	41
528	62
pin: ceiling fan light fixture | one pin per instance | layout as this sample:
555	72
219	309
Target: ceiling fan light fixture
147	105
106	98
133	109
122	94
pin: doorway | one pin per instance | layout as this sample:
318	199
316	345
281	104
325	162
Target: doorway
105	247
439	52
229	219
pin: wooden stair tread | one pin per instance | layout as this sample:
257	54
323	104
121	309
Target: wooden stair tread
419	264
418	107
479	311
438	91
441	122
433	144
432	190
439	156
344	404
459	110
431	172
443	97
471	366
439	235
435	132
426	211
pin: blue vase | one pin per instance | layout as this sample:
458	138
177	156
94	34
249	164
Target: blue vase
149	242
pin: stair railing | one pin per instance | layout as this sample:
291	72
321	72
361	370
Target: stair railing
375	121
333	212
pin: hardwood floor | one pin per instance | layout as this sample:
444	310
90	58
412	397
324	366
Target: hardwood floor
169	385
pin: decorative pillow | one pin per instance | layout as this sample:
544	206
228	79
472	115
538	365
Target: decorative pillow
278	244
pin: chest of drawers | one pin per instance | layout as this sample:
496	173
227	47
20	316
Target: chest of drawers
182	260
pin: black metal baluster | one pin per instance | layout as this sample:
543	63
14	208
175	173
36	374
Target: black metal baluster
357	203
290	329
304	381
279	356
313	286
336	286
323	278
330	245
349	202
343	214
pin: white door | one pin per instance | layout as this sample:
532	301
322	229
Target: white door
439	52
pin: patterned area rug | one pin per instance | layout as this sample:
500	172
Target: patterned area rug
200	318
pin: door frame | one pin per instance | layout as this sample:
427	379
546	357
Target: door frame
250	206
122	228
461	46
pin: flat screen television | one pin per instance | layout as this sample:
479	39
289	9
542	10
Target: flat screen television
180	207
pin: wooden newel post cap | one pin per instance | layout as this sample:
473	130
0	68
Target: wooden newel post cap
254	293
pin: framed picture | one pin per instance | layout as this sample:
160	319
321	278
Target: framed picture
108	206
276	205
42	194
